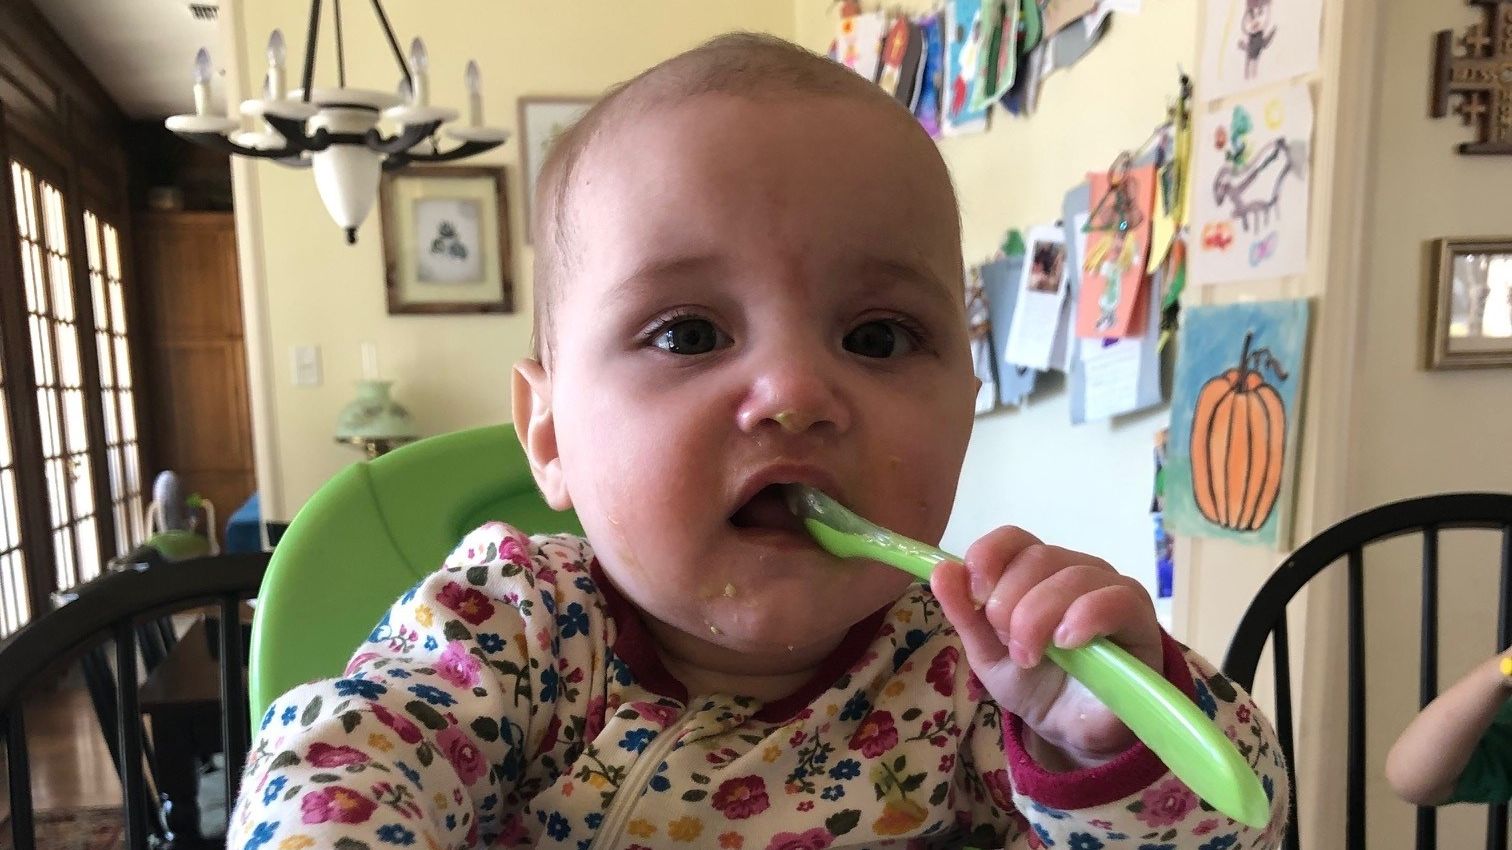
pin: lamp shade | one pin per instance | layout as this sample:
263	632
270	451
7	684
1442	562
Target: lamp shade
373	420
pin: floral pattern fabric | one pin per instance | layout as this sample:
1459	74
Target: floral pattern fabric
511	699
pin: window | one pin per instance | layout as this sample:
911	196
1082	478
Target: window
59	379
70	458
117	397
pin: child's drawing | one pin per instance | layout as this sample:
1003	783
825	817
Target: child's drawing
1256	33
964	35
1250	188
1118	239
1254	43
1234	420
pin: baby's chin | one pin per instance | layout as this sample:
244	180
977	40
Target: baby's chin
813	626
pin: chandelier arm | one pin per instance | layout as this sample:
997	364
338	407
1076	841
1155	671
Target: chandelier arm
216	141
466	149
411	135
293	131
340	45
393	41
309	63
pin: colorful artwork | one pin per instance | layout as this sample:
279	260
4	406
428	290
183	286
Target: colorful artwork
963	46
1234	416
1113	270
1250	188
997	62
927	106
1254	43
858	43
902	62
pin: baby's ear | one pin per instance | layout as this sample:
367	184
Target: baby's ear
535	425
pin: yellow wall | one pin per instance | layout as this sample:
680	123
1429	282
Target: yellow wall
1423	432
306	287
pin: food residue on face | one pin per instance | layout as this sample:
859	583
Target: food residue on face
729	591
713	629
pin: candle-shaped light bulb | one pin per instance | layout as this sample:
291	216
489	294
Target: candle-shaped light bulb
277	51
474	80
277	55
202	66
202	82
419	71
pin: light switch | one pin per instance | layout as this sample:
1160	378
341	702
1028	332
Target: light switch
306	365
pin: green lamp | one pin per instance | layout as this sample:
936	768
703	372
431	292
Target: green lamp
373	421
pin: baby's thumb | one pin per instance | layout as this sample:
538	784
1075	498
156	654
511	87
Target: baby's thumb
951	583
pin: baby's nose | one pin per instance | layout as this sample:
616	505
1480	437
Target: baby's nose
794	394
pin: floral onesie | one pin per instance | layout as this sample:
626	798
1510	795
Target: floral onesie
513	698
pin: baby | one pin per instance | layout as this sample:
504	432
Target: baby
748	274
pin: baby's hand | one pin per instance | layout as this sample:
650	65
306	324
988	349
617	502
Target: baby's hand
1012	598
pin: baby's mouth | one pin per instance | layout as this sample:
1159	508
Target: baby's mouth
768	511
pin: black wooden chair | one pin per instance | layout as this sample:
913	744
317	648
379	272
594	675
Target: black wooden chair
1265	621
114	608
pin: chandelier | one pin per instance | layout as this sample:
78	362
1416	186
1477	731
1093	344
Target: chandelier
335	131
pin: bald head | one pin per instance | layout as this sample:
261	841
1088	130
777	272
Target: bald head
747	65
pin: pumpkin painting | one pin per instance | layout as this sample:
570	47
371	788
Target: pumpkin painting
1238	442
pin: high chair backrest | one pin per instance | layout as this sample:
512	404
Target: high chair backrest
371	532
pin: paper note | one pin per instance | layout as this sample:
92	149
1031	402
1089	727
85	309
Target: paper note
1000	283
1042	291
1112	377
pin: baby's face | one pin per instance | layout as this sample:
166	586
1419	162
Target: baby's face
760	292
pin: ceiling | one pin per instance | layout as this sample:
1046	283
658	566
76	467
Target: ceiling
141	51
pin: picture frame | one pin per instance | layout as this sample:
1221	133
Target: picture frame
1469	303
541	118
446	243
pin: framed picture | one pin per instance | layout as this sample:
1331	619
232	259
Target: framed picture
446	240
1470	303
541	119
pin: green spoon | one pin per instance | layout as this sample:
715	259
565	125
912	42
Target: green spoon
1154	709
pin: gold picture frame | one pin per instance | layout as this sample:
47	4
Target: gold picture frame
541	117
446	240
1469	300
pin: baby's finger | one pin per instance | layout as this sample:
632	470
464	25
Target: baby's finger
950	585
1032	566
989	556
1122	612
1040	612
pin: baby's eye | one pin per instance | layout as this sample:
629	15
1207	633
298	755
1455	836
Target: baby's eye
881	338
689	336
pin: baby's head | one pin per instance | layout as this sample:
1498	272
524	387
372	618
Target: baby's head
748	272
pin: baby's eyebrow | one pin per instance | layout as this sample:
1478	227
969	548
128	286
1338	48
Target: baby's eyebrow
898	271
661	269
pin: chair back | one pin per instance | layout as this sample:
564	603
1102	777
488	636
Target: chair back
372	532
114	607
1345	543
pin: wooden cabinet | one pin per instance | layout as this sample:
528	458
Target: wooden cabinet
196	356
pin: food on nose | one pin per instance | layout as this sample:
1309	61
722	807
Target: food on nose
792	421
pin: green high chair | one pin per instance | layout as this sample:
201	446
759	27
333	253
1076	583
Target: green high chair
372	532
